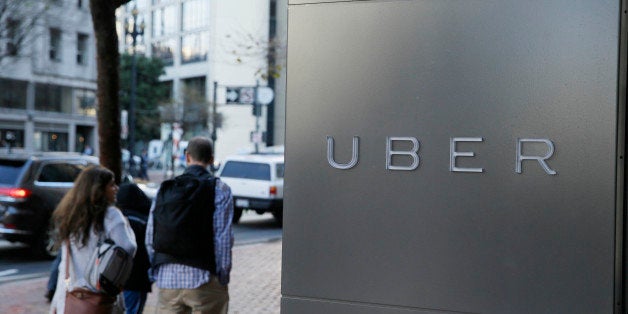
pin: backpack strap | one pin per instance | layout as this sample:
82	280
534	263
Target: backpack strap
133	215
137	219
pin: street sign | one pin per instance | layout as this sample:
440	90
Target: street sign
245	94
232	95
265	95
240	95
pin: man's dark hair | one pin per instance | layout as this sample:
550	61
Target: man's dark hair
200	149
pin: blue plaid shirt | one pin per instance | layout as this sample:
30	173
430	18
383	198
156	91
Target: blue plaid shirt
178	276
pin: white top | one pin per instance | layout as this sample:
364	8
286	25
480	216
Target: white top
117	228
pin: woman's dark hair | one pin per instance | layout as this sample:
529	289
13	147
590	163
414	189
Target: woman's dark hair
84	205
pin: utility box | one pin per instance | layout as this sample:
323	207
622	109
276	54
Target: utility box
454	157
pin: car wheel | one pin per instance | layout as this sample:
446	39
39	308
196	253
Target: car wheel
44	245
237	213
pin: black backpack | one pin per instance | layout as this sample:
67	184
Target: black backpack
183	219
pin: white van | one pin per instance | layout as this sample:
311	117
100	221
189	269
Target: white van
256	183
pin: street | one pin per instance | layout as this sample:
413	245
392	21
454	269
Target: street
16	264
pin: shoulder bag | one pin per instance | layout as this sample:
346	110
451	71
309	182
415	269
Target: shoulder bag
109	267
84	301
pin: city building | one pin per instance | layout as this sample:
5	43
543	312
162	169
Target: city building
207	43
47	76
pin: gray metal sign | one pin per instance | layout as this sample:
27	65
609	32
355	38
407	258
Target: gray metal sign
453	157
246	95
240	95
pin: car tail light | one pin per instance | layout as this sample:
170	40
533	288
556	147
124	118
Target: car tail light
273	190
16	193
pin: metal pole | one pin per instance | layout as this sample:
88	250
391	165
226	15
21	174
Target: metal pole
214	118
133	97
132	102
255	103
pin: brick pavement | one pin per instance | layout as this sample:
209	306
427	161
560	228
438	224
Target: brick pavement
254	288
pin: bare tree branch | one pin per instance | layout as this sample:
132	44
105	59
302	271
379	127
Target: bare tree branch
18	19
245	48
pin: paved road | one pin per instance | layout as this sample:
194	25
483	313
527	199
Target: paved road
16	263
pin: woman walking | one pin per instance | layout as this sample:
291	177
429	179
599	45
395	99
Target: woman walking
85	215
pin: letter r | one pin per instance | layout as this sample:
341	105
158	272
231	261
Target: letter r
540	159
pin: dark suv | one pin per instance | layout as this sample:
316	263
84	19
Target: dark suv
31	186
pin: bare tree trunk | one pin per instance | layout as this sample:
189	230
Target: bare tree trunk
108	60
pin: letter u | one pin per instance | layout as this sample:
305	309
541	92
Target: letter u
354	154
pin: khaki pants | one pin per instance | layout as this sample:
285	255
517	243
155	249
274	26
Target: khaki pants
210	298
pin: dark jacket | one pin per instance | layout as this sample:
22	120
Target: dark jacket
135	205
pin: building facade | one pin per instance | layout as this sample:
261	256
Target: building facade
206	43
47	88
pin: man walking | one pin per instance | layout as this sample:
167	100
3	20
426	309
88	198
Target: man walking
189	237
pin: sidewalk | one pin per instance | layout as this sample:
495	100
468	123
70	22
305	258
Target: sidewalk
254	288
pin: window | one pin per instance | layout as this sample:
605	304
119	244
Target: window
81	49
13	94
194	47
246	170
51	141
195	14
54	98
86	100
79	4
164	21
12	40
280	170
55	44
169	90
164	50
16	136
47	97
10	170
195	85
59	172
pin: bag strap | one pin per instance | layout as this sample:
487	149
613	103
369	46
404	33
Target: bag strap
101	238
67	265
102	235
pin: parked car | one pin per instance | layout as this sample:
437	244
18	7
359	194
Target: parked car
31	186
256	182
